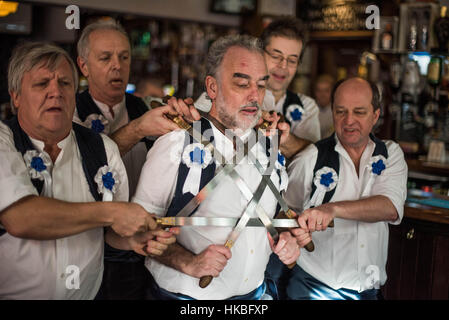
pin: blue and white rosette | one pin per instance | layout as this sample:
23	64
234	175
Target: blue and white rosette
96	122
375	167
196	158
325	180
280	165
107	182
38	164
294	113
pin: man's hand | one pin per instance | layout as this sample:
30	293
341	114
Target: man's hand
318	218
153	243
287	247
185	109
130	218
210	262
155	122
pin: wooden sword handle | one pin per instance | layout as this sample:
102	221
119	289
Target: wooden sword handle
206	280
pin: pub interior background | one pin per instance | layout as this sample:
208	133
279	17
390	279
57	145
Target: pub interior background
407	57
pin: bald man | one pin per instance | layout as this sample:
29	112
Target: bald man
355	180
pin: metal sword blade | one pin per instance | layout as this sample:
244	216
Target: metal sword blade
223	222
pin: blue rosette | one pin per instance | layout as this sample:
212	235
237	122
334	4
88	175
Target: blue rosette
96	122
107	182
39	164
196	158
325	180
294	113
280	165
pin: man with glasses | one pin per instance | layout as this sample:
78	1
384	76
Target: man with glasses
283	42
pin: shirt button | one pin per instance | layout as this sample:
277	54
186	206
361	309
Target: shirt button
252	251
246	280
362	246
62	275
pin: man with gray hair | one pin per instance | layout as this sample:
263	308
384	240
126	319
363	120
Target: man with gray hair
183	165
104	58
53	178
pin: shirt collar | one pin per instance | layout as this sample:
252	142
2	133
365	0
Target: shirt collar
224	144
64	144
117	108
366	154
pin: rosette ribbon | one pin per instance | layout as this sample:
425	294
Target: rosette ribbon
196	158
325	180
39	164
376	166
107	183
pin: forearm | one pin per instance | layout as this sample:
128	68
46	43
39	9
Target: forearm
293	145
372	209
127	136
116	241
177	257
42	218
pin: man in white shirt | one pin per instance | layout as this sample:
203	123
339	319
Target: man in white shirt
51	227
235	82
104	58
283	41
359	182
322	92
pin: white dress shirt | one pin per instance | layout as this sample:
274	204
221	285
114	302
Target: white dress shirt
308	128
134	158
39	269
245	270
346	255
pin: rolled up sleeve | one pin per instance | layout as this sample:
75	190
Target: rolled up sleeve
15	182
392	183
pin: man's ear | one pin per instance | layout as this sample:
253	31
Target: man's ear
14	98
211	87
376	115
82	64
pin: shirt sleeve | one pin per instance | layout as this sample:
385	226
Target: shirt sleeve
157	181
392	183
309	127
115	163
15	181
300	175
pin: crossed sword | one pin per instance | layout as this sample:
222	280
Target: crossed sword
182	219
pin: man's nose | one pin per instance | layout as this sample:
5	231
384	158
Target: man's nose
115	62
349	118
283	63
254	94
54	89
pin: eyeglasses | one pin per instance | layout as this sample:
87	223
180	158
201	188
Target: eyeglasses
292	62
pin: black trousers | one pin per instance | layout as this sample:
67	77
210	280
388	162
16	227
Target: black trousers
124	281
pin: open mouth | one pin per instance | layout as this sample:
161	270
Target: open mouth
249	111
54	109
278	77
116	82
350	130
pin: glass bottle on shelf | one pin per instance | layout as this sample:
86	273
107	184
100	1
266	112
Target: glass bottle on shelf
424	32
413	32
386	42
441	29
434	71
